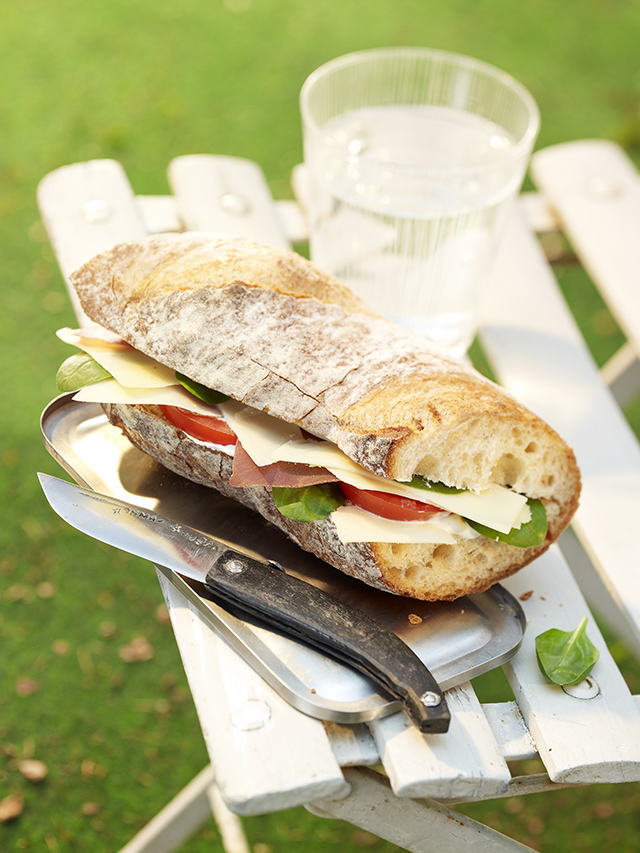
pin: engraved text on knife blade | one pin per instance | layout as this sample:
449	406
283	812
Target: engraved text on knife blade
189	535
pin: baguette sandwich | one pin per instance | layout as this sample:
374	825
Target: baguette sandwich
245	368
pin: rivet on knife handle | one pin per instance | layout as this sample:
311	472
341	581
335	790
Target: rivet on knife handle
301	610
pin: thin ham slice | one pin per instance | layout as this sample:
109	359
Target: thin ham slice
287	475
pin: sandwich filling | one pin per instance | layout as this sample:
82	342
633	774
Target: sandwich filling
310	478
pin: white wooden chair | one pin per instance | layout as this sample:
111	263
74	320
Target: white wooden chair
265	755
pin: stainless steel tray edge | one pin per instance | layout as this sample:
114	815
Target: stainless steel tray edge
95	454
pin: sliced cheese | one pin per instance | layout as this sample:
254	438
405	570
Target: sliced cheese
356	525
496	506
127	365
111	391
259	434
267	439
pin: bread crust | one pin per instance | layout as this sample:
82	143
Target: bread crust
266	327
427	572
269	329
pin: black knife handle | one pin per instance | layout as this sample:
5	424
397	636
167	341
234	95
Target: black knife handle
307	613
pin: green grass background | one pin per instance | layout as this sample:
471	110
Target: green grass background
143	82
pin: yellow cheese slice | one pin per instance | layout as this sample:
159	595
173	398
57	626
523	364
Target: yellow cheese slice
496	506
356	525
110	391
259	434
267	439
129	367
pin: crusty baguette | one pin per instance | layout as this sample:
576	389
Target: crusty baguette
267	328
427	572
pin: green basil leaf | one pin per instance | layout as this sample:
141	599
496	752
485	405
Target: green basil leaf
207	395
526	536
308	503
432	486
79	370
566	657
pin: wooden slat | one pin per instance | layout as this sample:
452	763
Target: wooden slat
267	756
468	759
159	213
249	729
622	374
595	190
178	820
422	826
87	208
464	762
310	768
580	740
510	731
352	745
538	353
227	195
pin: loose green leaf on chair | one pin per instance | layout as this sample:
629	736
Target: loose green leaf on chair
566	657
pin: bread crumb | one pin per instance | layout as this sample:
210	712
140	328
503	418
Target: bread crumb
312	690
414	619
526	595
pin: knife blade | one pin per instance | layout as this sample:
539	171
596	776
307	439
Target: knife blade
260	589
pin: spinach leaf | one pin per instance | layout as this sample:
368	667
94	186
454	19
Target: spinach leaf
527	535
207	395
79	370
432	486
308	503
566	657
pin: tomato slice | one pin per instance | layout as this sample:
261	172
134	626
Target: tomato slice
387	505
204	427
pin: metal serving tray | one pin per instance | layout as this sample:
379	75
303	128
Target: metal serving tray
456	640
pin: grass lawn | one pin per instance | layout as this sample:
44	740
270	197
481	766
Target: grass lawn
93	686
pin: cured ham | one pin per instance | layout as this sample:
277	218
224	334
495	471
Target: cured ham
287	475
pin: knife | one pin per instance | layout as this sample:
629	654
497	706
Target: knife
261	590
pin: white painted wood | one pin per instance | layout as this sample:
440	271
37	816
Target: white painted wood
292	221
594	590
510	731
159	213
352	745
538	353
266	755
622	374
476	764
227	195
185	814
595	190
579	740
421	826
540	216
178	820
263	780
464	762
300	186
229	824
535	783
87	208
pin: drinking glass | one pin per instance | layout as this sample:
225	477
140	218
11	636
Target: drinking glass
412	157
